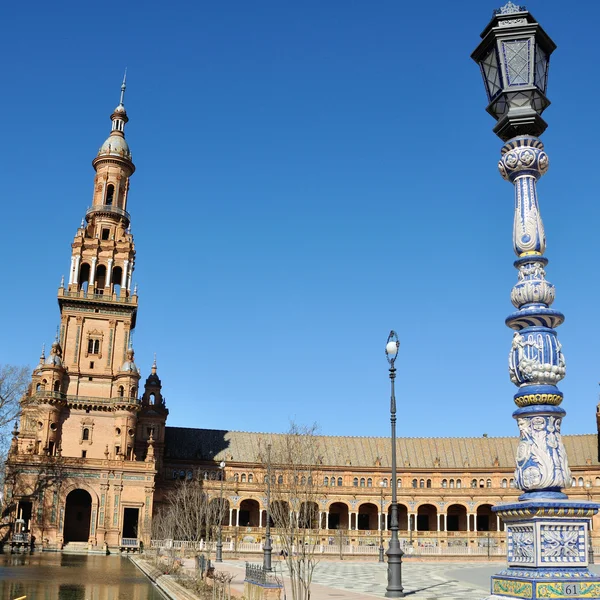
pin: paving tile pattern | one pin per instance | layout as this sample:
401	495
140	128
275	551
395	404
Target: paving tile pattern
421	581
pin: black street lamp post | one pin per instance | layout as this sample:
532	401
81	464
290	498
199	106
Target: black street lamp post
219	556
381	524
394	587
268	547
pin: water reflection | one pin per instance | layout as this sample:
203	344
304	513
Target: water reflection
51	576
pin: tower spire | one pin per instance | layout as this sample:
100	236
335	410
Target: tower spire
123	88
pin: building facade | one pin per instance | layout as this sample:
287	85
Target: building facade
92	455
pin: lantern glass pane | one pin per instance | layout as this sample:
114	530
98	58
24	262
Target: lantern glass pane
520	99
516	61
491	74
541	68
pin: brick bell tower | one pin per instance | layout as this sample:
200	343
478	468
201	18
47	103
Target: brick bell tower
91	366
82	413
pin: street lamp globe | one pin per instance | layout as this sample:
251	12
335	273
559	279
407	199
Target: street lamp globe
391	347
513	55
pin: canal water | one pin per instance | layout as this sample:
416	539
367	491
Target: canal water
54	576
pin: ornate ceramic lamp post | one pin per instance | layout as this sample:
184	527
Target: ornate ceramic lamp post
546	533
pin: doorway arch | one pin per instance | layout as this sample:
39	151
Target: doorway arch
78	515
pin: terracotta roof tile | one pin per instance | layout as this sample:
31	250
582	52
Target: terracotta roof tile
239	446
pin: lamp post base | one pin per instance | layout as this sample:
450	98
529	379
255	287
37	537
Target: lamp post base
267	552
547	550
394	587
219	553
381	553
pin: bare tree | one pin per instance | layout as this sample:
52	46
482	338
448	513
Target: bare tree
296	458
189	514
13	383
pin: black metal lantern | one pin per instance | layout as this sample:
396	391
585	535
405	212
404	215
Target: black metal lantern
513	55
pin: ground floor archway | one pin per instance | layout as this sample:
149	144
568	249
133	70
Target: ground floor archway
249	513
338	516
78	514
456	519
426	518
486	519
402	517
367	516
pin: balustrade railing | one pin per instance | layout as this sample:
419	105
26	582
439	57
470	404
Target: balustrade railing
84	399
130	542
416	547
108	208
101	297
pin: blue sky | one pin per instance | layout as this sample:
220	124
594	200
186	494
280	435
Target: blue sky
309	176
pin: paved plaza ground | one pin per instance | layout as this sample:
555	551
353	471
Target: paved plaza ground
367	580
362	580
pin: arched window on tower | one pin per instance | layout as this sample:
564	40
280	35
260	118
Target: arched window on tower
116	277
333	482
110	194
85	434
369	482
133	392
121	391
57	386
84	276
326	481
100	280
458	483
444	483
452	483
340	482
152	398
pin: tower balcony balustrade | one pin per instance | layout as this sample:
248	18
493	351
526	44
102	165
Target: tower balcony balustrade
89	296
75	400
108	210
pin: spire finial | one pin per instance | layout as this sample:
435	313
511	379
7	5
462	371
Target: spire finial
43	356
154	365
123	88
56	334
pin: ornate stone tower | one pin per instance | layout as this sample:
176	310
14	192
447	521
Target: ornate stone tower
152	419
91	363
80	414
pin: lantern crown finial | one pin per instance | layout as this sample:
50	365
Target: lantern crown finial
509	8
